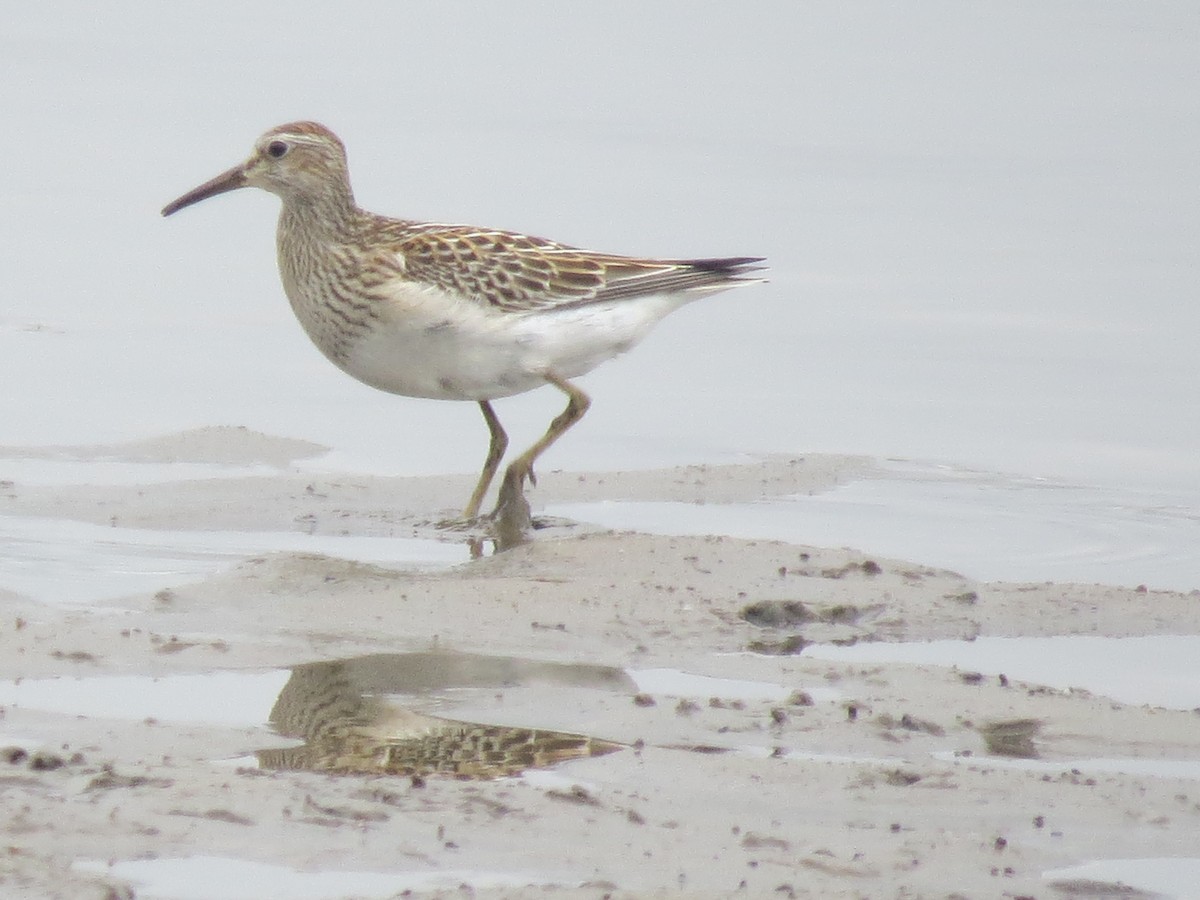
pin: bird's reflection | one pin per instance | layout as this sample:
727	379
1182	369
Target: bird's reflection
350	725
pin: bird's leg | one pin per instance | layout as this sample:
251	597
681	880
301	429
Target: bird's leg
496	448
512	509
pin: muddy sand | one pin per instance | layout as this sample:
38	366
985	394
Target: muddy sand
590	714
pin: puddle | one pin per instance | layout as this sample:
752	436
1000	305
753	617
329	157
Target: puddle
230	699
1151	768
221	878
382	714
1161	670
1166	877
76	563
988	526
347	714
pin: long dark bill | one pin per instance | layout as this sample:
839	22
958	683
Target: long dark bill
226	181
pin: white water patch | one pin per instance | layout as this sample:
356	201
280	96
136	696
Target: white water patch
1159	670
233	699
222	878
1152	768
988	526
77	563
1167	876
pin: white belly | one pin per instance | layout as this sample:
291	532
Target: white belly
467	352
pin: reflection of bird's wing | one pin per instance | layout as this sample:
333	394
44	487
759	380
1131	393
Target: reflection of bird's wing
472	750
402	742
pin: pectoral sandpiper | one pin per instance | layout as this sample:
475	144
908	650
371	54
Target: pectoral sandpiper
453	312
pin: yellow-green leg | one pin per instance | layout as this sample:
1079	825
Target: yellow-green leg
496	448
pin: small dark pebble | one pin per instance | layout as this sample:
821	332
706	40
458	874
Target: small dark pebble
788	646
44	761
687	707
777	613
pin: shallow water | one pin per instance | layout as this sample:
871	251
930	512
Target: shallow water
1160	670
222	878
228	699
386	713
988	526
972	261
1169	877
205	698
78	564
1152	768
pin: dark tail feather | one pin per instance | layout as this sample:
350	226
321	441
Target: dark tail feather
732	265
733	269
681	275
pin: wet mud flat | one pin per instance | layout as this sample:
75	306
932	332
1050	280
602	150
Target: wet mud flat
594	713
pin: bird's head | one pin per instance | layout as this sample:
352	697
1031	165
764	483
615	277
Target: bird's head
302	162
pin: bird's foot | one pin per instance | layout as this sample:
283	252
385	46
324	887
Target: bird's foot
511	519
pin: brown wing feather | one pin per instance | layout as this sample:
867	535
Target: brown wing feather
519	273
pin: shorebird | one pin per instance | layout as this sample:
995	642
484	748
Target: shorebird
454	312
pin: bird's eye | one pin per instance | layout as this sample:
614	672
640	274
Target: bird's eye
276	149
